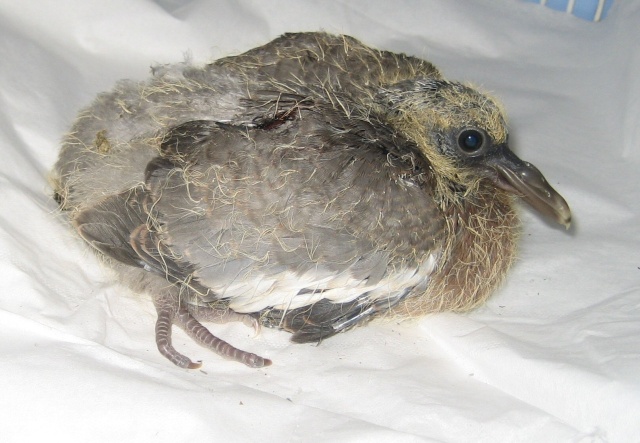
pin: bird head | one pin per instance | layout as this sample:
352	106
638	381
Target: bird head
463	134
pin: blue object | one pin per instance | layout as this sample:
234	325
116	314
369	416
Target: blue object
593	10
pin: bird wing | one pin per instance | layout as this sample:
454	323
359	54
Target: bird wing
306	206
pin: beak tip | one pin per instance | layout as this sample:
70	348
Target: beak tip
563	216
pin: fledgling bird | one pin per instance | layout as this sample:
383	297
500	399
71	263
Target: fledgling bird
311	184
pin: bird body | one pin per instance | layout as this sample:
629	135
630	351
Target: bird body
310	184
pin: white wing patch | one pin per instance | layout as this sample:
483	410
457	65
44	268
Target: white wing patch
288	290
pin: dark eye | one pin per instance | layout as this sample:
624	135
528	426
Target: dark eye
471	140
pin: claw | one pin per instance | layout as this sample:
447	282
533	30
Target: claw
252	322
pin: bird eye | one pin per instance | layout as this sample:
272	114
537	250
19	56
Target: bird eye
471	140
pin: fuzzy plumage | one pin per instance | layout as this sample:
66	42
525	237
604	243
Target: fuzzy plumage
311	184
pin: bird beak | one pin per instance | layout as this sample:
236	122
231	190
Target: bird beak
525	180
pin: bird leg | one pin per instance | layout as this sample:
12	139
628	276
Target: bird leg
171	311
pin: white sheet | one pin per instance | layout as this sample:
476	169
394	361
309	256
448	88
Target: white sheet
554	355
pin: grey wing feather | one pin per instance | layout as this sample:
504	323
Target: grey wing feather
281	216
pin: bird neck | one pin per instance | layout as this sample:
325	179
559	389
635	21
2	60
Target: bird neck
480	248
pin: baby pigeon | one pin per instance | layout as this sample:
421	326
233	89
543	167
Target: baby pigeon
311	184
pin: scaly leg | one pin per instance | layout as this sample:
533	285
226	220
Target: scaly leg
171	312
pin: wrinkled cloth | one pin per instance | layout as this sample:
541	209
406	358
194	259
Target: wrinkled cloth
553	356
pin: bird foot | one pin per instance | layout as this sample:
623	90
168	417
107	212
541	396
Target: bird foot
171	311
224	315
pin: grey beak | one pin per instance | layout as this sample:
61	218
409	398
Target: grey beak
526	181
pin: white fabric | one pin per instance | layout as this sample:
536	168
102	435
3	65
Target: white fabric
554	355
